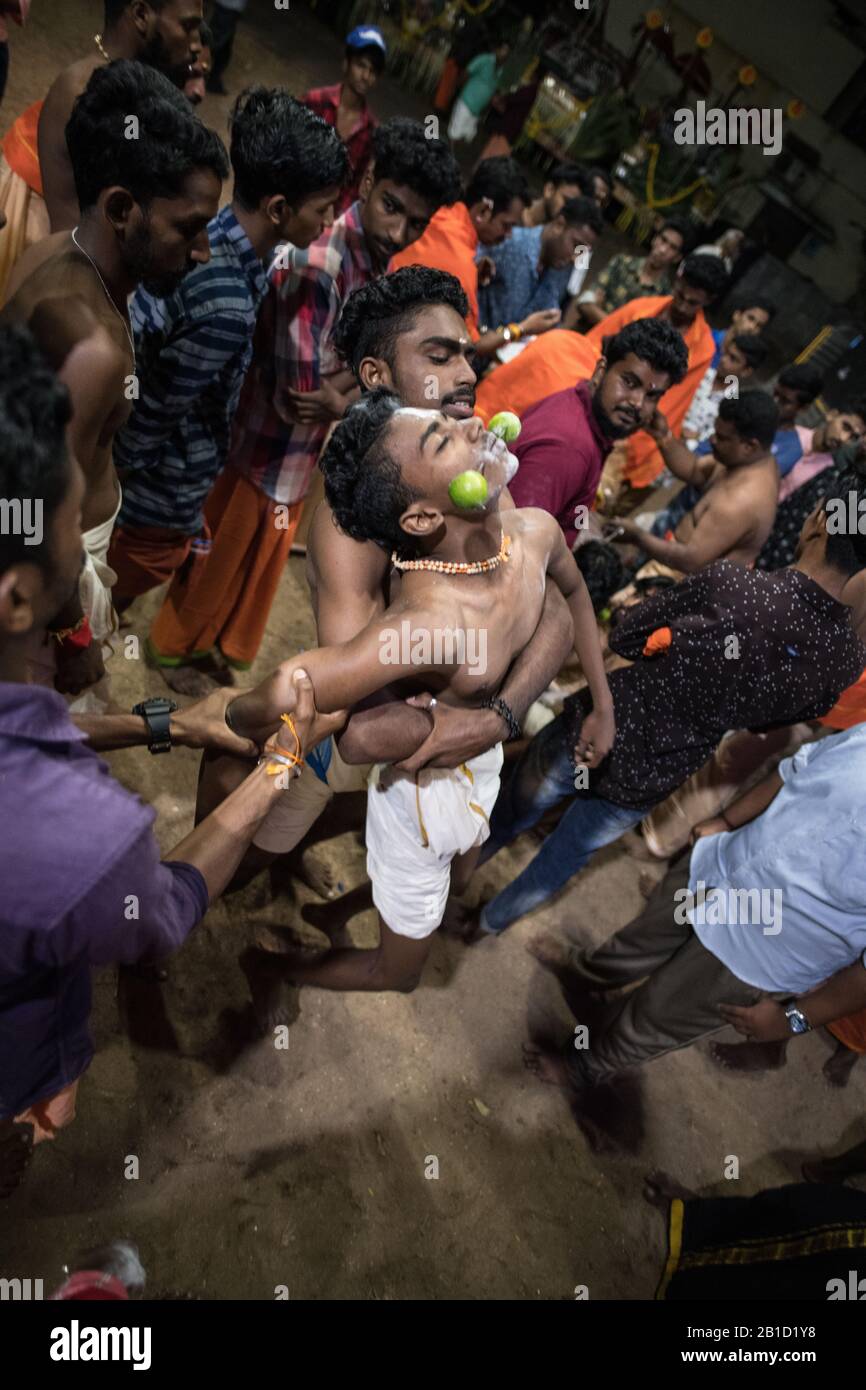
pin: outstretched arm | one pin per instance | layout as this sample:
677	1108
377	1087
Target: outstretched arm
720	530
598	729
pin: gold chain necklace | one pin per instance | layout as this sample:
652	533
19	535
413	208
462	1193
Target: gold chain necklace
124	319
97	39
457	566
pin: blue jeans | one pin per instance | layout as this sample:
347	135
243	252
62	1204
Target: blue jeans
543	777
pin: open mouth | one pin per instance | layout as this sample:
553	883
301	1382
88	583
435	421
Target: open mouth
459	408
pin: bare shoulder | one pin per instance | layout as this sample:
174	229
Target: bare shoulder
534	526
337	559
67	86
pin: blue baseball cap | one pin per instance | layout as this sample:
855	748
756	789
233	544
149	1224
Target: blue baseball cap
366	36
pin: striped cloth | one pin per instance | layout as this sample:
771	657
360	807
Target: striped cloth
192	351
293	349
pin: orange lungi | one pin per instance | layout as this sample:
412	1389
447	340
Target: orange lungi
51	1114
231	601
851	1030
143	557
21	197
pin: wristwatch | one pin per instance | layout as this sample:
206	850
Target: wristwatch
156	715
797	1020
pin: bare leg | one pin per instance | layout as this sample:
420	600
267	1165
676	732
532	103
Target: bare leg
837	1069
395	964
334	915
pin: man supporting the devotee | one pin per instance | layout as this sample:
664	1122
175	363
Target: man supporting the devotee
294	390
194	348
344	106
399	331
146	207
37	190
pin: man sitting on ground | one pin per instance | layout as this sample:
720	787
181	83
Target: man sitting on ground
737	485
533	265
628	277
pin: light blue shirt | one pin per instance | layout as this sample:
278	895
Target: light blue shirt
518	287
805	856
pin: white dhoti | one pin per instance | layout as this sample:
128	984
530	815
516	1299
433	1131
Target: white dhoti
416	825
94	587
463	125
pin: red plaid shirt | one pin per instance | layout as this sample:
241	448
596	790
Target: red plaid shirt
325	101
292	347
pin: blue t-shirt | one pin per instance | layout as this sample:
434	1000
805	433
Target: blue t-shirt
787	449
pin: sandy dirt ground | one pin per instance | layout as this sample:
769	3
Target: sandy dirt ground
305	1167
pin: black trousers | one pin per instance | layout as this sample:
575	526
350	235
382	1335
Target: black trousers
223	22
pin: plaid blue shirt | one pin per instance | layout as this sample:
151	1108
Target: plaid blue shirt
192	351
518	289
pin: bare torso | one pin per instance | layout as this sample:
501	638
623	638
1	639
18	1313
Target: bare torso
54	270
748	494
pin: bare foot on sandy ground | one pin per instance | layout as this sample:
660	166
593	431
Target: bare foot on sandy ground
316	873
550	951
837	1069
270	980
749	1056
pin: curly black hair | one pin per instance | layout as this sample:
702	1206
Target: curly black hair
571	174
403	153
653	341
280	146
34	465
363	482
682	226
753	414
753	347
804	378
374	316
500	179
583	212
168	143
705	272
603	571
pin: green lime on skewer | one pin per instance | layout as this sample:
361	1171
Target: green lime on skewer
506	425
468	489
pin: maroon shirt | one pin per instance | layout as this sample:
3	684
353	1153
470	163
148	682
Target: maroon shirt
561	452
325	101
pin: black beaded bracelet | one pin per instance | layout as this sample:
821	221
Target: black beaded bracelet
504	710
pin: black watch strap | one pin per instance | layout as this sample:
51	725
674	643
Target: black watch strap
506	713
157	714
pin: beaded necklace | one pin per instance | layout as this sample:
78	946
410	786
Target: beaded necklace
457	566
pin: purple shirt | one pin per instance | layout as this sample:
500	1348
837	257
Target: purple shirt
561	451
78	861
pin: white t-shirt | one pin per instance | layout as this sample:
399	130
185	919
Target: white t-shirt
791	884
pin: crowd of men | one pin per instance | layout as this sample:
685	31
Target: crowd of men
174	364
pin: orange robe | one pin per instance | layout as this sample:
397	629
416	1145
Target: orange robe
552	362
449	243
644	462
